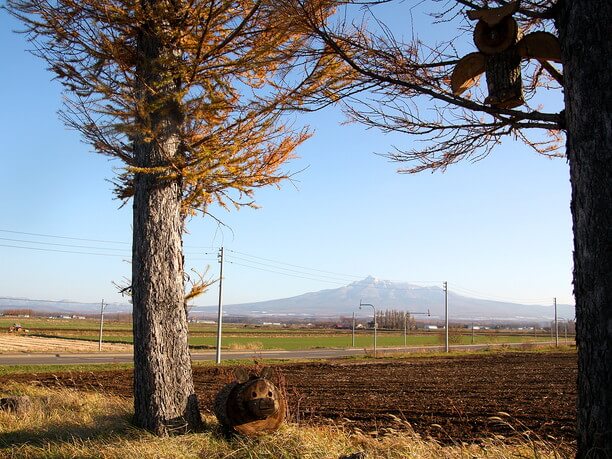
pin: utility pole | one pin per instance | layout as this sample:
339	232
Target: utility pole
556	324
220	314
353	334
446	316
405	328
101	324
375	325
472	332
410	313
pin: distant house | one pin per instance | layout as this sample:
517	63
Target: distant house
431	327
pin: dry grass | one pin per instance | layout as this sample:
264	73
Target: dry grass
64	423
249	346
11	343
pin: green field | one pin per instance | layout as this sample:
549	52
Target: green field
253	337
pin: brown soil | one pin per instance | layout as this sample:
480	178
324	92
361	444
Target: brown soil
449	399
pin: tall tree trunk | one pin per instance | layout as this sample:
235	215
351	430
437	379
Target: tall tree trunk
164	396
585	28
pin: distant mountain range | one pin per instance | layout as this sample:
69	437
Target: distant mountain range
385	294
60	306
343	301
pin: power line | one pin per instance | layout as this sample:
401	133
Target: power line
62	237
54	236
60	245
485	296
308	276
296	266
351	276
40	249
278	267
285	274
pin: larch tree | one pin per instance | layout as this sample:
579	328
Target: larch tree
189	95
431	90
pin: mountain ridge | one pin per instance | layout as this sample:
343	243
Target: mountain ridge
386	294
344	300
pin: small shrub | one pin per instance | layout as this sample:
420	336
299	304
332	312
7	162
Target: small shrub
454	336
250	346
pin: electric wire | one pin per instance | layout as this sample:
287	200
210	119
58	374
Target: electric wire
40	249
60	245
295	266
272	266
484	296
282	273
62	237
309	276
352	277
284	269
103	241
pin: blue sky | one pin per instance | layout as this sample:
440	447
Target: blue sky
499	228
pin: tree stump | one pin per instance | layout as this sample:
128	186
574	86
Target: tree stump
250	406
16	404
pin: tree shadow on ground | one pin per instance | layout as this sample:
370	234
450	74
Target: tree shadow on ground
100	428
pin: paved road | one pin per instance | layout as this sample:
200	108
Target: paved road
79	359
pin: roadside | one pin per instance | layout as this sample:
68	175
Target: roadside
67	352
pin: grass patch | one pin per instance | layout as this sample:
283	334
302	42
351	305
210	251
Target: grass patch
67	423
54	368
304	342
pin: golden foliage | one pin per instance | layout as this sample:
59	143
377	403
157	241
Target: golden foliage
197	87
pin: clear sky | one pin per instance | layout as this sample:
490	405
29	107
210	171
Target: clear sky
499	228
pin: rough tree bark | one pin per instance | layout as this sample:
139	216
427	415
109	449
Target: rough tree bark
164	396
585	28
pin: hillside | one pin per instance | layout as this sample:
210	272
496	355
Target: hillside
343	301
392	295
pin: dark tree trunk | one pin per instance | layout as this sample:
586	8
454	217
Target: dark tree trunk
585	31
164	396
504	83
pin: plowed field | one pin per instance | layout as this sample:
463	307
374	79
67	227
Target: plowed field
450	399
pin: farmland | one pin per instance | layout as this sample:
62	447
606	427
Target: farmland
454	399
202	336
